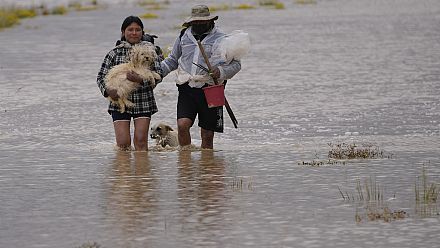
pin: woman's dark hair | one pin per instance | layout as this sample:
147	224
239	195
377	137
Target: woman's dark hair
129	20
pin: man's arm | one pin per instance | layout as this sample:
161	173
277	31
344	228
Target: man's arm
227	71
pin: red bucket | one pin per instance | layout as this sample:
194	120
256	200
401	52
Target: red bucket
215	95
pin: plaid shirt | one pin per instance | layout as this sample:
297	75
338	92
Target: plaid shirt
143	97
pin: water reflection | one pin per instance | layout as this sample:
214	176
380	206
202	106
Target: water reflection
132	199
201	190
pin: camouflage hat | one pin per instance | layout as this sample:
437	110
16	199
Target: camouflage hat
199	13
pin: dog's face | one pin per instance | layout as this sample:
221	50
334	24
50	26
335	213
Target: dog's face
143	55
160	130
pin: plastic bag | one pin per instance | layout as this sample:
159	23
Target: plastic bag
233	46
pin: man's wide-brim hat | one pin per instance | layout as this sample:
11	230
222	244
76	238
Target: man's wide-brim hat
199	13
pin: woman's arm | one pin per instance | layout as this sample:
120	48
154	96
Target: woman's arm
107	64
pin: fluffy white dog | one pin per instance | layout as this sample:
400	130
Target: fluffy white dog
140	60
164	135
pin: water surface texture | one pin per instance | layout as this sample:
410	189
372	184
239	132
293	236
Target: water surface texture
333	72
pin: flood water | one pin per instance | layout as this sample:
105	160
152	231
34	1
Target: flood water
328	73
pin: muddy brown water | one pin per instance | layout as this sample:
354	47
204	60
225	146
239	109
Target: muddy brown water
333	72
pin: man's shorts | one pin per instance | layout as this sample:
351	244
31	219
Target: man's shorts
192	102
118	116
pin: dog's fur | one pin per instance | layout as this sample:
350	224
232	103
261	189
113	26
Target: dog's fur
140	60
164	135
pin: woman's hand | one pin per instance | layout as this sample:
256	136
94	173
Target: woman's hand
134	77
113	94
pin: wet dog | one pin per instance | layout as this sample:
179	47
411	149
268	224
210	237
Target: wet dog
140	60
164	135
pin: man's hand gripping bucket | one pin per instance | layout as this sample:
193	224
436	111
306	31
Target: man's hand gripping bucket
215	95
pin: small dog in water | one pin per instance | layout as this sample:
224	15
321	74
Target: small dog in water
164	135
140	60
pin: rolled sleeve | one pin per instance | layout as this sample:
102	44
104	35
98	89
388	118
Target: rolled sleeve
229	70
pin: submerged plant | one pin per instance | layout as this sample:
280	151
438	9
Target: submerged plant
425	191
354	151
368	192
317	163
238	184
90	245
426	195
369	196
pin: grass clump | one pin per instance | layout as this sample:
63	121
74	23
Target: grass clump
238	184
90	245
426	196
8	18
384	213
76	5
25	13
370	191
244	6
220	7
149	16
353	151
426	192
57	10
305	1
318	163
370	196
11	16
147	2
271	3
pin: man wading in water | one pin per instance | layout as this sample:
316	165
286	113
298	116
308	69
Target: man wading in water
191	79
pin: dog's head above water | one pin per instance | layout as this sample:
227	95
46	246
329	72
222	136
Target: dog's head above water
160	130
164	135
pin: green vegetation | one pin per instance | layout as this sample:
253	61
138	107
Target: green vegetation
149	16
426	192
244	6
76	5
152	4
369	192
271	3
426	195
8	18
25	13
220	7
370	197
57	10
147	2
305	1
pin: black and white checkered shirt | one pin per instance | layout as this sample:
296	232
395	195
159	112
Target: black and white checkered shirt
143	97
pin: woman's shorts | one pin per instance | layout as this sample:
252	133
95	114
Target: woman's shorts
192	102
118	116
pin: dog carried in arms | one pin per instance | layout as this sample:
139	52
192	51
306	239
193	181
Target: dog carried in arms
140	60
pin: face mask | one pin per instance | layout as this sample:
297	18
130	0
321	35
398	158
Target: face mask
200	28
